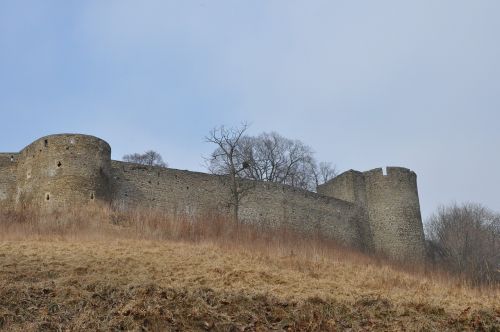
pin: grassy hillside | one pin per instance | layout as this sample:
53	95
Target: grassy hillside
99	271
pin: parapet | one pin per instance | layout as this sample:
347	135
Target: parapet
391	172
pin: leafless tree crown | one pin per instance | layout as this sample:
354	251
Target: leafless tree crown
228	159
466	239
150	158
269	157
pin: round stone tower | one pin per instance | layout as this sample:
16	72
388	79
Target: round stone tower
63	170
394	213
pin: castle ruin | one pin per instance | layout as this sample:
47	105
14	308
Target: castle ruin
369	210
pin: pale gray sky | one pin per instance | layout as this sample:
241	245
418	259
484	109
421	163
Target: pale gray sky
365	83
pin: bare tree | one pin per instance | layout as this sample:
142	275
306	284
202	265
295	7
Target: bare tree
324	172
466	239
229	159
275	158
150	158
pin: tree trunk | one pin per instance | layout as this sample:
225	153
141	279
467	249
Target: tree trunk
235	211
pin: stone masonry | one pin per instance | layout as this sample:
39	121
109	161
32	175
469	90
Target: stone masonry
367	210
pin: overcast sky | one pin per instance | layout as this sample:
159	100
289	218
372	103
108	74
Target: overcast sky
365	83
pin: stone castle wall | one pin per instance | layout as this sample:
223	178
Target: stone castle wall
349	186
391	205
62	170
274	205
394	212
271	205
366	210
179	193
8	168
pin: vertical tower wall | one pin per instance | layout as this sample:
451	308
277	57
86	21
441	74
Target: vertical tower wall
62	170
8	164
394	213
348	186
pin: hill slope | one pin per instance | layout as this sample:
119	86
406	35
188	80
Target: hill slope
81	284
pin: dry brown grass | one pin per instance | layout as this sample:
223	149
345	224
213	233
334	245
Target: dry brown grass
96	269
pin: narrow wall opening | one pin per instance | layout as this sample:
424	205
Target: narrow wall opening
46	143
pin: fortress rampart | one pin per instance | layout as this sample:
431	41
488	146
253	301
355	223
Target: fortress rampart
391	207
369	210
63	169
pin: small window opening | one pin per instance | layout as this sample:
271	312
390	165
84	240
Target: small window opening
149	181
47	197
67	148
187	188
59	164
92	196
11	158
46	142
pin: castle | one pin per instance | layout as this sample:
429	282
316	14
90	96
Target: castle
369	210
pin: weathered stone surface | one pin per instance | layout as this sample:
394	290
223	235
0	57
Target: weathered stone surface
62	170
391	204
367	210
